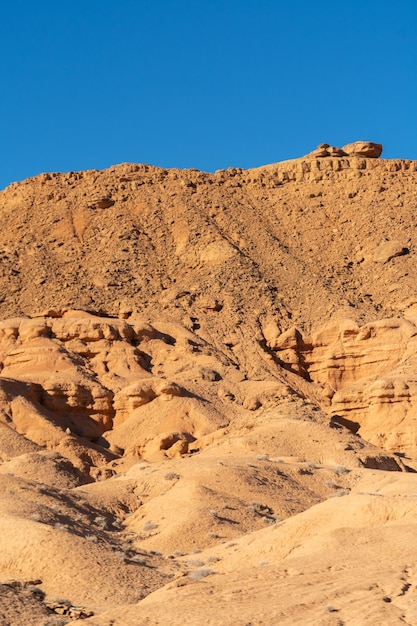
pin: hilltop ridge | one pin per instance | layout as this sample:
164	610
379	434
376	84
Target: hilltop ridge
183	228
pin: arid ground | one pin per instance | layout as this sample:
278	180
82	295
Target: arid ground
208	395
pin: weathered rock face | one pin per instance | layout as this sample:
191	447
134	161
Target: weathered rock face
386	407
76	377
96	389
366	374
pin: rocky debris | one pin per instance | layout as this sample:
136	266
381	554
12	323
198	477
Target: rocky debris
59	607
65	608
22	604
17	583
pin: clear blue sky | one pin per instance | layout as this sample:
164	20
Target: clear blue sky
88	83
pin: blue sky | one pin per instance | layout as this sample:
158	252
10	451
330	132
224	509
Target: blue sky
87	84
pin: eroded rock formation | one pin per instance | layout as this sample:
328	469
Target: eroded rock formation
201	370
366	149
366	374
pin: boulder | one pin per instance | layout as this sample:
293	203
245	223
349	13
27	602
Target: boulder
320	151
366	149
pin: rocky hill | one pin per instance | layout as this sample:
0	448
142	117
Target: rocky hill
193	367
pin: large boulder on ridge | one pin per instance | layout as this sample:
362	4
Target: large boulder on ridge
366	149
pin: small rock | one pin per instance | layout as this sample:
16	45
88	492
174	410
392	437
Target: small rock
320	151
102	203
388	250
208	303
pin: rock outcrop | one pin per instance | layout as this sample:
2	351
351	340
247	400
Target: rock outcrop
366	149
325	150
366	374
78	376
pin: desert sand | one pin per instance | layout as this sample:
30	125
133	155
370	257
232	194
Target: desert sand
208	395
